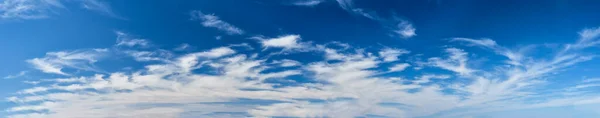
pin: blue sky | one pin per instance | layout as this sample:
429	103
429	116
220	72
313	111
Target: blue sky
300	58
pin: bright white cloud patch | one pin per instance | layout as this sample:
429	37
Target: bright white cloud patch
390	54
341	81
405	29
210	20
399	67
286	42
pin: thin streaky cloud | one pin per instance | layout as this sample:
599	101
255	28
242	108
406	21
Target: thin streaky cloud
213	21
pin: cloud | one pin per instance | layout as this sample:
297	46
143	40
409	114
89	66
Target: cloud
400	27
287	63
26	9
588	37
330	80
591	80
308	3
40	9
427	78
124	39
405	29
456	61
288	43
210	20
159	55
99	6
390	54
21	74
399	67
54	62
182	47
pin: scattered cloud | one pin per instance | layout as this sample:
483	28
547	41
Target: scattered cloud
308	3
456	61
427	78
54	62
332	80
27	9
124	39
405	29
159	55
287	63
399	67
182	47
588	37
210	20
288	43
390	54
99	6
21	74
400	27
40	9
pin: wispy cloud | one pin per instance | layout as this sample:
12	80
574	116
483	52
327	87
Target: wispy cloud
288	43
210	20
54	62
308	3
100	7
20	74
26	9
399	27
124	39
39	9
390	54
341	81
405	29
399	67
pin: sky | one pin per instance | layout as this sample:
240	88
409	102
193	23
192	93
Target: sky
300	58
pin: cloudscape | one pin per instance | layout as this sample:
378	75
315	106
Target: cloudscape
299	58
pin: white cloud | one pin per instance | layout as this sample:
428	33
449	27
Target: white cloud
287	41
399	67
309	3
489	43
183	47
124	39
20	74
427	78
99	6
401	27
456	62
287	63
26	9
40	9
54	62
346	83
390	54
190	61
210	20
159	55
405	29
587	38
591	80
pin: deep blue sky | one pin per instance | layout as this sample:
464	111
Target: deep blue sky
514	24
